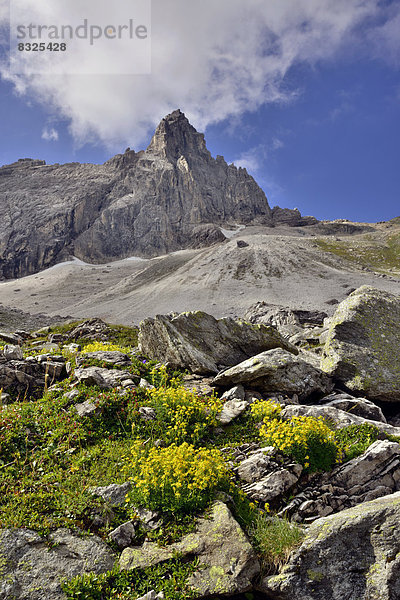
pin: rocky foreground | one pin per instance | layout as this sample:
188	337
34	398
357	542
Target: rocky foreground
168	466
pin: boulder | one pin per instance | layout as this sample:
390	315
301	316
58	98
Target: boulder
113	357
219	543
274	485
104	378
278	371
199	342
113	494
352	555
362	350
33	567
338	416
362	407
230	410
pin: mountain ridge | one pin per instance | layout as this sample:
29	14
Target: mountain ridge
171	196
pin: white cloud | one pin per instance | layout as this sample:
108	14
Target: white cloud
50	134
214	59
251	160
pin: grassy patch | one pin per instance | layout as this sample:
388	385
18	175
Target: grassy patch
275	539
368	252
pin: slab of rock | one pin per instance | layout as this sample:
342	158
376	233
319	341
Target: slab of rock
338	416
199	342
278	371
235	393
362	407
230	410
104	378
32	567
362	350
13	352
255	467
353	555
124	535
275	484
113	494
219	543
112	357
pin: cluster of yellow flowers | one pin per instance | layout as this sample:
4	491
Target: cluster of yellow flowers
177	478
185	415
265	409
307	439
104	347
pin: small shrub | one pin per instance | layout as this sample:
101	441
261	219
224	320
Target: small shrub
355	439
307	439
275	539
176	479
265	409
182	416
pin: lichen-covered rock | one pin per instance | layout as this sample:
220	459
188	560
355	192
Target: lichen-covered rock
32	567
354	554
362	350
199	342
274	485
278	371
219	543
230	410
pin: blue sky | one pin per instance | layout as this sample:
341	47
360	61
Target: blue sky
314	115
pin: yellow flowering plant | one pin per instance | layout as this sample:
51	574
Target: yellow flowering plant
181	415
265	409
104	347
307	439
177	479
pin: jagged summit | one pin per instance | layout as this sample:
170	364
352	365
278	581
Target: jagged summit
171	196
176	137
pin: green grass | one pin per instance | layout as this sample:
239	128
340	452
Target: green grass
368	252
275	539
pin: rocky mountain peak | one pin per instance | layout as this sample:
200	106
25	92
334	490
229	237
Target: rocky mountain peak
176	137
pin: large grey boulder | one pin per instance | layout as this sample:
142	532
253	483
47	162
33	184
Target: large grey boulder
199	342
277	371
32	567
104	378
362	407
352	555
362	349
337	416
220	544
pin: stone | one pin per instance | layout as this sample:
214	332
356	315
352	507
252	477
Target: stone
143	383
104	378
362	407
113	357
113	494
147	413
11	338
230	410
85	409
199	342
362	350
255	467
13	352
338	416
124	535
219	543
235	393
274	485
149	519
92	329
354	554
33	567
277	371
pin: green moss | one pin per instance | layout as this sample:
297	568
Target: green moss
315	575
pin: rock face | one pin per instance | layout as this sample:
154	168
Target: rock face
354	554
203	344
362	348
171	196
219	543
277	371
33	567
